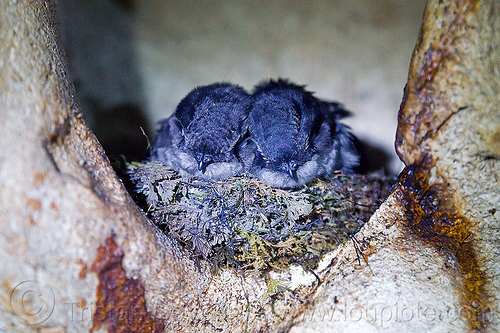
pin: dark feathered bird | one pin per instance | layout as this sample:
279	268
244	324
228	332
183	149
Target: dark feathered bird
202	137
297	137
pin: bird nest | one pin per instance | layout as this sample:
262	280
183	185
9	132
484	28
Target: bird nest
242	221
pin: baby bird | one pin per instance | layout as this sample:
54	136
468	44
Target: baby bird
297	137
202	137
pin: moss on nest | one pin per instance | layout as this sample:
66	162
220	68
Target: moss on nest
245	222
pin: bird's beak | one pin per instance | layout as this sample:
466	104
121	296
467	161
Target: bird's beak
292	172
201	166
